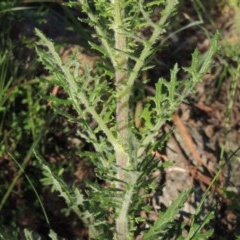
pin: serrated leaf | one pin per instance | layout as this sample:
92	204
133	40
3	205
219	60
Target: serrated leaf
172	85
146	115
195	230
166	218
209	56
98	48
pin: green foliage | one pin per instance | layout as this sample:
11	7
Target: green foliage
22	116
122	154
30	236
8	233
33	236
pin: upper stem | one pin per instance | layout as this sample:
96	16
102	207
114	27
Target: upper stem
122	100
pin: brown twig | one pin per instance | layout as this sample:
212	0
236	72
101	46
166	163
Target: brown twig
189	142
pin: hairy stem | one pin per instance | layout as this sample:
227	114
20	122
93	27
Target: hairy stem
122	111
122	108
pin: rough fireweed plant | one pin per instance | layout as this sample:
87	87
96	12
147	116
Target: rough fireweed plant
123	152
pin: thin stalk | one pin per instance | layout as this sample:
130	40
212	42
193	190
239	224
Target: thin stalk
20	172
25	163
